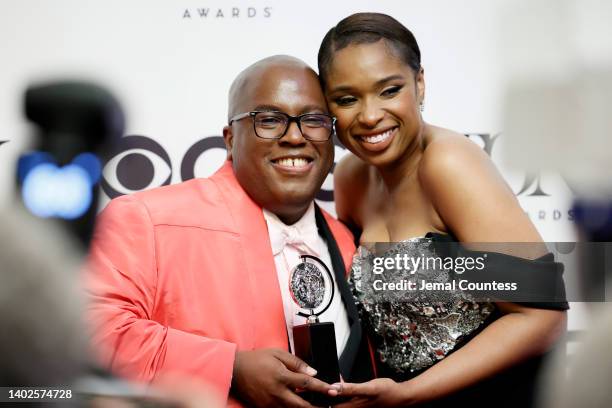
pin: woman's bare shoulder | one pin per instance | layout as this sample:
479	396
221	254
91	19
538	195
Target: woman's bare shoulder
448	152
350	166
470	194
351	176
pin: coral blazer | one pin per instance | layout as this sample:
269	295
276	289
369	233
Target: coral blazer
181	277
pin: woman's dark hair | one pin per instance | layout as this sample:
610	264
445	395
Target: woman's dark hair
367	28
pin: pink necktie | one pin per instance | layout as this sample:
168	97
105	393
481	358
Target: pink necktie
303	241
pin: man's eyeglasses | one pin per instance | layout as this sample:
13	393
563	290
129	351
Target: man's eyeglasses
316	127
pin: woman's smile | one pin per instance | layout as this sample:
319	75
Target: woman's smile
376	141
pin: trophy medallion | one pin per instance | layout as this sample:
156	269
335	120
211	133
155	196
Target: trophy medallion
311	286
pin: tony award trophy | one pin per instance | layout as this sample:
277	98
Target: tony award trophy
312	287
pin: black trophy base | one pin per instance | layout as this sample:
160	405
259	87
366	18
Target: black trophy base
315	343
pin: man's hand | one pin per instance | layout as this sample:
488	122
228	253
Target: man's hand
269	378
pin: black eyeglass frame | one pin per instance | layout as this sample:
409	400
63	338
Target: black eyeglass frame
290	119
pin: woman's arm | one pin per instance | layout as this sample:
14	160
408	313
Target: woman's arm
519	334
476	204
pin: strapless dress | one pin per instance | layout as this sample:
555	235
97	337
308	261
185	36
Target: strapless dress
412	330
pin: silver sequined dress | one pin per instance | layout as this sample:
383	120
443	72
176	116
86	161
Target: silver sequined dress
412	330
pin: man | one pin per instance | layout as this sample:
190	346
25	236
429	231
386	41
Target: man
192	278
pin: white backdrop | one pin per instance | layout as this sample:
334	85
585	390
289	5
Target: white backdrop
170	62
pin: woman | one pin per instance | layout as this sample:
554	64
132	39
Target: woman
411	182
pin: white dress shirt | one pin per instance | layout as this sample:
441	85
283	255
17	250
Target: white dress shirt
288	243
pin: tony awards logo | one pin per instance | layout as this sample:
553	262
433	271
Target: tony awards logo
312	287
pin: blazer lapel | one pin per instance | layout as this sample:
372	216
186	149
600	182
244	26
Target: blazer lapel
347	358
260	278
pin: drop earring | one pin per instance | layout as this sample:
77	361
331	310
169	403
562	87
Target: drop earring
422	106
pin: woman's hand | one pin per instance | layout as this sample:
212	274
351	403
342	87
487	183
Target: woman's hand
381	392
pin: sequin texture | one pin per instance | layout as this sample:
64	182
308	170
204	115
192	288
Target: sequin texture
412	330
